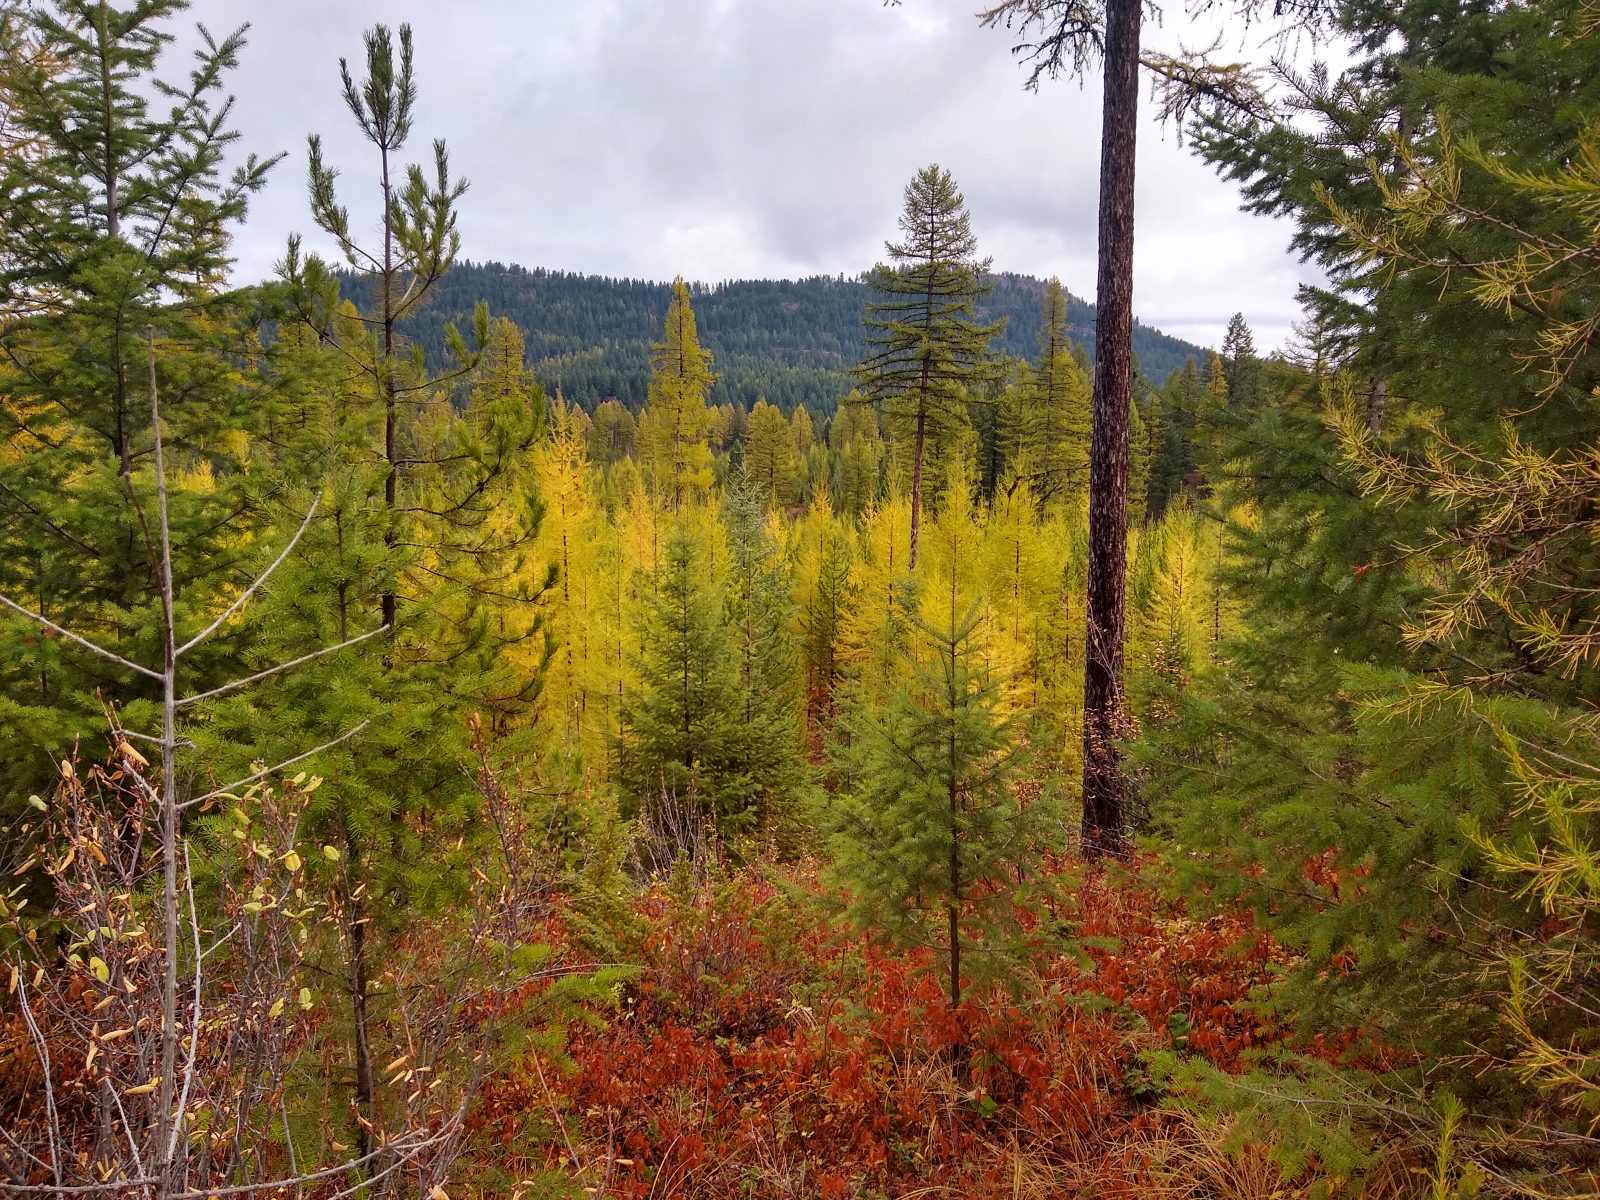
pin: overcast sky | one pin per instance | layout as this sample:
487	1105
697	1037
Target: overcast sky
723	139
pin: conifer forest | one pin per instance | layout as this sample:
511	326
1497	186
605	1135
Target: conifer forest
486	730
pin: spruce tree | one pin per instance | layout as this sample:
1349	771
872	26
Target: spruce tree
1240	364
857	450
926	347
764	763
678	725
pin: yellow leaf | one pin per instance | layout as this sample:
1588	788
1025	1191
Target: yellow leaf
101	971
144	1089
305	997
292	861
330	853
276	1010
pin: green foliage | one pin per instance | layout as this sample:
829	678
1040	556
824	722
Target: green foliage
117	214
1390	765
790	340
857	448
930	837
925	345
768	771
677	726
1053	424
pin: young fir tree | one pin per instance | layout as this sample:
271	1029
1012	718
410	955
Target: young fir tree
995	421
116	214
679	725
929	836
1053	438
1173	460
672	433
925	345
770	455
1240	364
764	763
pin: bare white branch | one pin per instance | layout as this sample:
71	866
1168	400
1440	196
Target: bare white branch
76	640
273	770
238	684
244	597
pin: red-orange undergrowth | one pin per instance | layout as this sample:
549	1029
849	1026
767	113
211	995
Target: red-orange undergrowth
765	1050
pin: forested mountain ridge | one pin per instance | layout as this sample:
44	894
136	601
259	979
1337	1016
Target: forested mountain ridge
792	341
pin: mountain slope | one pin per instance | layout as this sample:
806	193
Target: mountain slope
793	341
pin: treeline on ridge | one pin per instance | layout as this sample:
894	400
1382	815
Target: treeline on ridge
790	341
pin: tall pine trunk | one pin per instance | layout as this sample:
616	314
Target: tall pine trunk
1104	804
916	483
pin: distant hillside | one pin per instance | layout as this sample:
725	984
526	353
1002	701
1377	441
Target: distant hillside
793	341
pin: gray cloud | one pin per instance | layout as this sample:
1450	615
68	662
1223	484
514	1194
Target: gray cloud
743	138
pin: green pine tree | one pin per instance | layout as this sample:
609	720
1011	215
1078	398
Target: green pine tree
926	347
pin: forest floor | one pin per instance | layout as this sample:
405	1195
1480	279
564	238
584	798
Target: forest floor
767	1050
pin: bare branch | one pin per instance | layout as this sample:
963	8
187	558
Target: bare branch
260	579
238	684
273	770
74	638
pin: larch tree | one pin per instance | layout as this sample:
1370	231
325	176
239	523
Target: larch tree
804	433
611	433
673	432
925	346
769	454
1053	438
